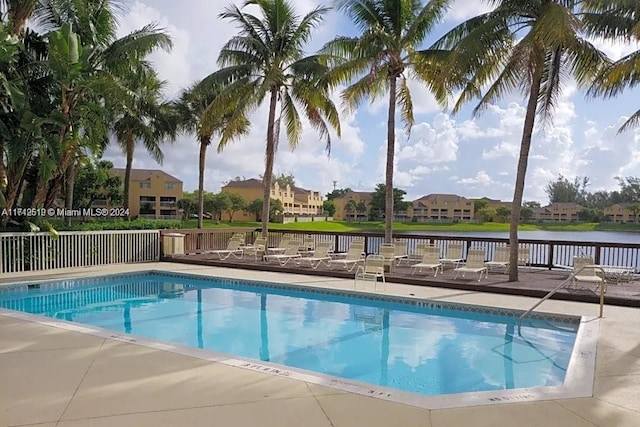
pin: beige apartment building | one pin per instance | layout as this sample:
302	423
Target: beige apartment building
295	200
558	212
442	207
346	211
622	213
153	194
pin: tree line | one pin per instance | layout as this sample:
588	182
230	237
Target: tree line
70	88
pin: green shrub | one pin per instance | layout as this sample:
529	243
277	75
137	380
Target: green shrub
138	224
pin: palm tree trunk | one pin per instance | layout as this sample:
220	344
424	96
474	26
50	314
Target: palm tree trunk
525	146
3	169
270	157
131	143
69	181
391	146
203	156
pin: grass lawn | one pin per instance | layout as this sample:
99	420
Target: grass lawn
373	226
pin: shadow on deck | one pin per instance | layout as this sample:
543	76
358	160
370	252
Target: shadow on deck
532	282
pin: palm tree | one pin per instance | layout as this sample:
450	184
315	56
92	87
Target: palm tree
382	59
90	66
526	45
203	112
142	116
623	19
266	59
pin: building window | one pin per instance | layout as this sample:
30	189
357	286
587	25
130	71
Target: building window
169	185
145	184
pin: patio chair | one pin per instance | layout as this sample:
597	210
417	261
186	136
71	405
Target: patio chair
284	242
400	251
453	255
320	256
259	246
430	259
416	256
354	256
308	245
500	259
290	252
372	269
523	257
473	264
584	270
388	252
233	248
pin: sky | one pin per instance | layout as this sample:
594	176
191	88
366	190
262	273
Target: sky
472	156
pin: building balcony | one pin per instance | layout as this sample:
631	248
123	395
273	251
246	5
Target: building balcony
170	205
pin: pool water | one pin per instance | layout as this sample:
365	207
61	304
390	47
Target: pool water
429	351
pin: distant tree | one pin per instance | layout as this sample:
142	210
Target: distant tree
531	204
329	207
564	191
479	204
284	180
503	212
236	204
629	189
96	181
216	204
487	214
188	205
526	212
591	215
337	193
378	201
275	208
350	207
361	208
600	199
255	207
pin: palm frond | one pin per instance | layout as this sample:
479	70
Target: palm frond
631	122
406	106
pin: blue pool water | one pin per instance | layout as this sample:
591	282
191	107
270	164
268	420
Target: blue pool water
430	351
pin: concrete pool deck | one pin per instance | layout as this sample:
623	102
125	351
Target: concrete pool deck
56	377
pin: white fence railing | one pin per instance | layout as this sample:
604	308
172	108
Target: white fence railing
43	251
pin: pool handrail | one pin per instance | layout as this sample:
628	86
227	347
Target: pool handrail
557	288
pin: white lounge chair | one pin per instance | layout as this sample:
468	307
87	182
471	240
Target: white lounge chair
290	252
320	256
233	248
416	256
400	251
388	252
523	257
372	269
453	255
474	264
354	256
430	259
259	247
500	259
584	270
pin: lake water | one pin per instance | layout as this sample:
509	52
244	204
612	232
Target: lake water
581	236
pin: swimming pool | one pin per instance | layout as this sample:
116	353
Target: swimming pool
389	345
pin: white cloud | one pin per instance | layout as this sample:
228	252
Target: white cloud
481	178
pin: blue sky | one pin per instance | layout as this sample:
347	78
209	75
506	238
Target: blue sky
459	154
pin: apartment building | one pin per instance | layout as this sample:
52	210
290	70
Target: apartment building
295	200
622	213
558	212
346	206
153	194
442	207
